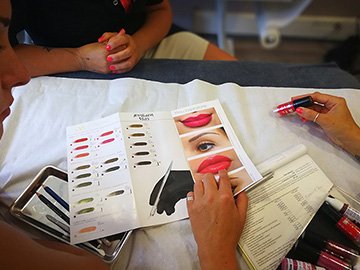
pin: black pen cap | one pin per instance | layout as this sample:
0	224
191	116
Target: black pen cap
307	253
303	102
314	239
328	210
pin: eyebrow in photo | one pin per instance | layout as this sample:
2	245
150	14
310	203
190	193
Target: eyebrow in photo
202	134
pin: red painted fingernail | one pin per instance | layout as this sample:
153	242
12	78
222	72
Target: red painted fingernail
299	110
108	47
122	31
109	59
303	119
100	38
112	67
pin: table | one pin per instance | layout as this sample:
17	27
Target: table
43	109
242	73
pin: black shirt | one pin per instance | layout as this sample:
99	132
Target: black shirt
73	23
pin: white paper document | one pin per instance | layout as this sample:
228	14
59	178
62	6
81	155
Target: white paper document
281	208
132	170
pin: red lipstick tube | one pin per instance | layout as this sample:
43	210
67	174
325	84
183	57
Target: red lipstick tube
345	225
320	258
322	243
291	264
290	107
345	209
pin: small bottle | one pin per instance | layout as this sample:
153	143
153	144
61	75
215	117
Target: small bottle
345	209
291	264
320	258
290	107
330	246
345	225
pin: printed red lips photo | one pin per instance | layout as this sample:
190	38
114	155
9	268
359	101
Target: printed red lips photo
226	160
197	119
213	164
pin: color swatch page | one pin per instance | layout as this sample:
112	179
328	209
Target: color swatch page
131	170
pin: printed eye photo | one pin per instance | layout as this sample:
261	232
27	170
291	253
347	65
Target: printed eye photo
213	163
196	120
205	141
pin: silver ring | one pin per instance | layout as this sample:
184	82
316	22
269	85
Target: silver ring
190	198
316	117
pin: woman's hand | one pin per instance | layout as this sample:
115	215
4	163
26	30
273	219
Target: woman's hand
217	221
335	119
123	54
92	57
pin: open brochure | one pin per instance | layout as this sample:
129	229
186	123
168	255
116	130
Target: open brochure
281	208
131	170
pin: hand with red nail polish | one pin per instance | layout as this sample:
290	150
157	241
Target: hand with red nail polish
123	52
93	57
335	119
88	41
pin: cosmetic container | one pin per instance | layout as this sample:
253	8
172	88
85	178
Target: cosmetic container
290	107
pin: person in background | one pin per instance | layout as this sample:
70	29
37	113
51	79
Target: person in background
101	36
216	218
19	251
336	121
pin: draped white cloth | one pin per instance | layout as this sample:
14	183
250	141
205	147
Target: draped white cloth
35	136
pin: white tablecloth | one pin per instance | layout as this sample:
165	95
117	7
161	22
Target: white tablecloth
35	137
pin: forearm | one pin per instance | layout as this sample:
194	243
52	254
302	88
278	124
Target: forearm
157	25
351	141
37	256
43	61
219	259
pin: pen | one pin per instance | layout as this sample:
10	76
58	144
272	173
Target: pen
66	228
58	223
153	209
53	208
56	197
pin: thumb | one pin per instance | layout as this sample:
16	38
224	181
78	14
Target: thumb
242	203
309	114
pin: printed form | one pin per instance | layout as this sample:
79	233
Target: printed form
281	208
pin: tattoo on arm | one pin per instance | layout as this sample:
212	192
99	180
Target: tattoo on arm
48	49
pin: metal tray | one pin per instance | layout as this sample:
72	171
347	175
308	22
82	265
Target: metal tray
30	209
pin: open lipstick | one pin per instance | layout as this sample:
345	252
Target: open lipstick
213	164
290	107
345	225
199	120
